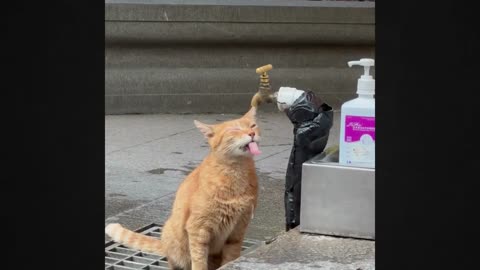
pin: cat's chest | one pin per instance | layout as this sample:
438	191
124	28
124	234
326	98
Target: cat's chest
235	205
237	183
236	202
233	210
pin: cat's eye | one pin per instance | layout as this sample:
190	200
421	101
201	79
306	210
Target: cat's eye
233	129
253	125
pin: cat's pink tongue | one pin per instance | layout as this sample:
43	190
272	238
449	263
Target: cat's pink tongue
253	147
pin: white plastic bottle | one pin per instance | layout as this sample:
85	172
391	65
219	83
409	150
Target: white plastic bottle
357	124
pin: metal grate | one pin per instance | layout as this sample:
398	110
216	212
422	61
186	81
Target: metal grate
119	257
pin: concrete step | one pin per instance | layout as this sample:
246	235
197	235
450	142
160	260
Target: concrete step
233	56
241	33
224	90
239	21
196	103
296	251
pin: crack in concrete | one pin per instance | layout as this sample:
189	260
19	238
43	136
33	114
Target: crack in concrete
156	139
281	144
116	217
274	154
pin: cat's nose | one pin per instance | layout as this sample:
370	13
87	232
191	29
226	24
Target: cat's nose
251	133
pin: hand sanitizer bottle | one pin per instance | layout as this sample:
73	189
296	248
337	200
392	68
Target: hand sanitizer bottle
357	123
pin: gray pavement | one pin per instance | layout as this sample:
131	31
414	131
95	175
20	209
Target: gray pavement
147	156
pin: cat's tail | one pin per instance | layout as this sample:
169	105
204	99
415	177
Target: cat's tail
134	240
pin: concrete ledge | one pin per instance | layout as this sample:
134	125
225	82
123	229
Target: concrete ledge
189	90
240	22
228	56
184	81
228	33
243	11
195	103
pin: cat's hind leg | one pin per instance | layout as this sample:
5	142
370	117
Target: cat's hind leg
173	266
179	257
214	261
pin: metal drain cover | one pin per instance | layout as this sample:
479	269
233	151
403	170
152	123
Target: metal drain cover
119	257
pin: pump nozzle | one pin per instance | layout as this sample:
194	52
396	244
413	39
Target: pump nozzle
366	83
365	62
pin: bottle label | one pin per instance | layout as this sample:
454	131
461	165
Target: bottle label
359	139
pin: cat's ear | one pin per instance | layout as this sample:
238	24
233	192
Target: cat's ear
207	130
252	113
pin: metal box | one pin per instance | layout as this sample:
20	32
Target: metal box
337	200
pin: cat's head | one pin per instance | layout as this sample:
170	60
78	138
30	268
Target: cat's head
238	137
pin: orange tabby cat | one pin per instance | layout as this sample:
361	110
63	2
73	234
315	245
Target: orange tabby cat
213	205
